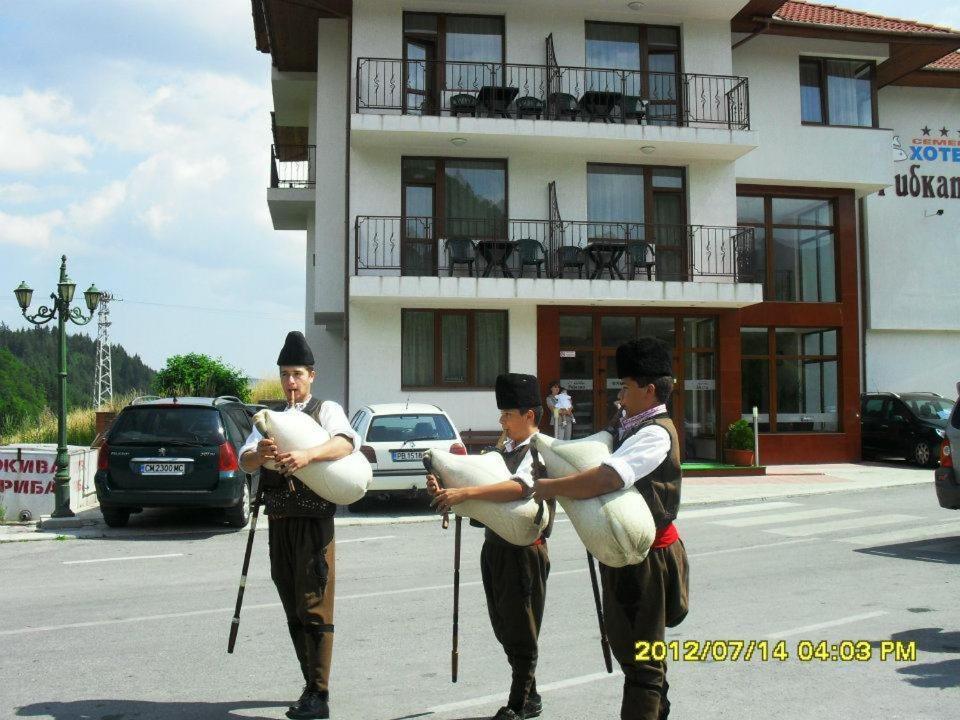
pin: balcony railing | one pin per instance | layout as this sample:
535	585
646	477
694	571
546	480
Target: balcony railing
476	89
433	246
293	166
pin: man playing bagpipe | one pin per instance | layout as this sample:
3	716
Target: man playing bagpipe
514	576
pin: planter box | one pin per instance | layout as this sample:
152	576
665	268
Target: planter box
740	458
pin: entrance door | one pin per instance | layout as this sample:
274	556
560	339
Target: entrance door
669	233
418	243
419	78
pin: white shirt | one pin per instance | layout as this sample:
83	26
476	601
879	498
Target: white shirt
640	454
332	419
524	472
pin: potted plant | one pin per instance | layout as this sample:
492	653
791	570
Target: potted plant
739	444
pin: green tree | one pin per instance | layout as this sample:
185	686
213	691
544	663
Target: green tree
21	401
200	376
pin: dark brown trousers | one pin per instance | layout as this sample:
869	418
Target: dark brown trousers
302	556
639	603
515	583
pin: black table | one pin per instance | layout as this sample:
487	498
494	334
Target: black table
496	253
497	98
599	104
606	255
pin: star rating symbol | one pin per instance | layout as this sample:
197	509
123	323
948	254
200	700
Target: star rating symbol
944	132
925	130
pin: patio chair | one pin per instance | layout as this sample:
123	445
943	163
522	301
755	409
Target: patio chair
463	104
561	105
461	251
531	252
529	106
641	255
570	256
635	108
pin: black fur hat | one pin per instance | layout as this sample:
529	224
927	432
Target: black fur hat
295	351
646	357
515	392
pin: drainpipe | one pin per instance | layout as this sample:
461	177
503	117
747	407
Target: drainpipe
765	23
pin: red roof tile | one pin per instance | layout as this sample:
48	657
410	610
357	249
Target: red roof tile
950	62
800	11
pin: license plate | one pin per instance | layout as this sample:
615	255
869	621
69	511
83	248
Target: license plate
406	455
163	468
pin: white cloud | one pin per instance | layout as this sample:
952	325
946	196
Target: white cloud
35	135
98	207
19	192
29	230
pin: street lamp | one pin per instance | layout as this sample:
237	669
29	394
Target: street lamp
61	310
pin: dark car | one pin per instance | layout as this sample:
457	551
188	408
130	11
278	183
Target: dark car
946	478
907	425
175	452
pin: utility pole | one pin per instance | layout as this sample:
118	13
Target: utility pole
103	372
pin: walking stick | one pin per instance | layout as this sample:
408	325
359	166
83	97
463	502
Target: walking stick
604	643
235	623
455	652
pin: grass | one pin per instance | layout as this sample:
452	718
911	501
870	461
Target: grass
270	389
81	425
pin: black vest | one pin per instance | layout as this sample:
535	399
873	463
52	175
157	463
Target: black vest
512	459
279	501
661	488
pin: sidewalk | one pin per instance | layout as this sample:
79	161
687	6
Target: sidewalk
780	481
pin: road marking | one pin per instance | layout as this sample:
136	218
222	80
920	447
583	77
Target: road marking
840	525
366	539
917	533
500	697
119	559
829	624
750	547
783	517
732	510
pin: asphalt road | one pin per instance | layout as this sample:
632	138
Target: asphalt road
136	628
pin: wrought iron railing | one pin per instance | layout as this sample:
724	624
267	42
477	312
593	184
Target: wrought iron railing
293	166
432	246
477	89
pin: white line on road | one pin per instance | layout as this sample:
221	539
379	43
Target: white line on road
732	510
366	539
750	547
840	525
118	559
917	533
783	517
829	624
485	699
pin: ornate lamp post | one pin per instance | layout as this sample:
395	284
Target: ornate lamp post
61	310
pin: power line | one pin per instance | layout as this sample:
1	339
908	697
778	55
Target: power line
247	313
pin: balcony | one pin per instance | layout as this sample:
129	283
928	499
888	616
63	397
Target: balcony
293	179
684	115
554	261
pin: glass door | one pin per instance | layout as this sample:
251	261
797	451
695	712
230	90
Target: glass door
418	242
699	390
419	78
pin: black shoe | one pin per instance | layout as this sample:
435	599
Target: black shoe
533	707
312	706
506	713
303	696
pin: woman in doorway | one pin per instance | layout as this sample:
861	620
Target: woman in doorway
560	406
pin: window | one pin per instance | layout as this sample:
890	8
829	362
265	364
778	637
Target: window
409	428
452	348
792	376
794	246
652	52
837	92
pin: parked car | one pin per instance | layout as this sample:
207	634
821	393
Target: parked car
394	437
175	452
908	425
945	477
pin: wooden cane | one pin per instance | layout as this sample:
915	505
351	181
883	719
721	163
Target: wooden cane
455	652
604	643
235	623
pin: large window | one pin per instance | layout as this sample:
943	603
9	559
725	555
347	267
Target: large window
838	92
794	246
792	376
452	348
652	52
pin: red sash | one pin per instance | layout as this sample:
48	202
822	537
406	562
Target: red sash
665	537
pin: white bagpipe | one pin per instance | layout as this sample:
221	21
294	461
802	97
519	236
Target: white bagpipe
616	528
519	522
342	481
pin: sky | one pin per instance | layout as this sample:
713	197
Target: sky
134	137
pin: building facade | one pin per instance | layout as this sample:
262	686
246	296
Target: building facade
491	187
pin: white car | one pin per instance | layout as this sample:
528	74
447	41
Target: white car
394	437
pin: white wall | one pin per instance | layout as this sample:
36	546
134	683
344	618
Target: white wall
913	254
794	154
375	335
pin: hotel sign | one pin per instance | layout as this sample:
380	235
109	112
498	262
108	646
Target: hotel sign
928	148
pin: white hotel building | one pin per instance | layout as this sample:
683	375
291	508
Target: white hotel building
771	187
